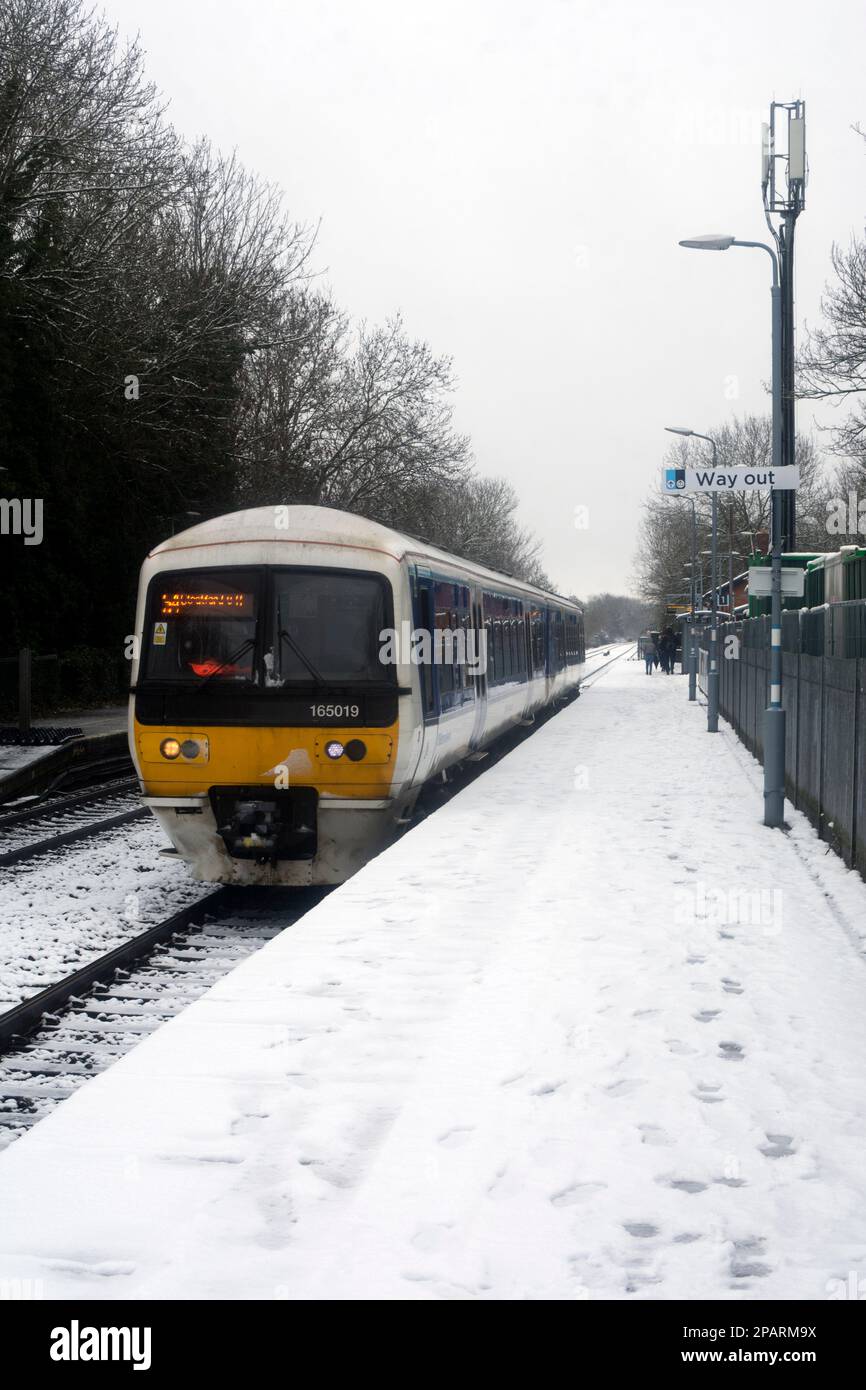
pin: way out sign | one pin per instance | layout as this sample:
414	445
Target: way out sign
729	479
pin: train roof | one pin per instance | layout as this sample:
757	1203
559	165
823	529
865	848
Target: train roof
329	526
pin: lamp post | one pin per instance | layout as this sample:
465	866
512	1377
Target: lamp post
731	563
693	663
783	190
700	586
774	714
713	673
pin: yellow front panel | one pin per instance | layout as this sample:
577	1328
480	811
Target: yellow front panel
269	757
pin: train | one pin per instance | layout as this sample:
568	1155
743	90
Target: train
300	674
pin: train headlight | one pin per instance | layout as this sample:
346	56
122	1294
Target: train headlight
334	749
170	748
189	748
356	750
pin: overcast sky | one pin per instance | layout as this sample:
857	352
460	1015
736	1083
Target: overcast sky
514	178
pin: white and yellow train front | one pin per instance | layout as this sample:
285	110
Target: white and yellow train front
273	740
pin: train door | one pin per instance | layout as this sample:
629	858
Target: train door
548	651
424	620
480	680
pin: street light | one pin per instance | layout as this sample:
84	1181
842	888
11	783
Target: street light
774	714
713	673
693	664
699	581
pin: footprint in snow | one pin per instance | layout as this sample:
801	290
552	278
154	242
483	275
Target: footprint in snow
623	1088
641	1230
731	1051
744	1261
706	1015
432	1237
654	1134
778	1146
690	1185
547	1088
455	1138
248	1123
510	1080
731	986
578	1192
709	1095
680	1048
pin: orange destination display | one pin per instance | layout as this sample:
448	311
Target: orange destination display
213	603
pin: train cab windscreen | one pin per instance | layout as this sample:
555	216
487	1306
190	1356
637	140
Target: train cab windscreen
283	627
325	627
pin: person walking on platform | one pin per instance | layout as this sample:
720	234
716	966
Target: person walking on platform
668	651
650	654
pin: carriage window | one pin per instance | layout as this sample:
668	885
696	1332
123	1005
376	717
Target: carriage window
451	603
201	623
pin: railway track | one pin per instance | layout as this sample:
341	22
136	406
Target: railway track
596	671
53	1043
67	818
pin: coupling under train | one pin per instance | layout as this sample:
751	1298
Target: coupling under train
302	673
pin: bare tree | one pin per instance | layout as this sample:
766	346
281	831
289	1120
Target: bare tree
832	364
85	156
615	617
474	517
347	419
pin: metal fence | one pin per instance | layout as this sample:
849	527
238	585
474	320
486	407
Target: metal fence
824	695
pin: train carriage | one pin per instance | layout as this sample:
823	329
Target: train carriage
302	673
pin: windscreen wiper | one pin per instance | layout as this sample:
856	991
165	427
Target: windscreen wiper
229	661
287	636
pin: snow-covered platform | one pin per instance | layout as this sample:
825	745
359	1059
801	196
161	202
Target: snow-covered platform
590	1031
21	766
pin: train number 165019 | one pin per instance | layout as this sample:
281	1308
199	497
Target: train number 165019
335	711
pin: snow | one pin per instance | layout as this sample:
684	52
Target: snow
72	904
13	758
590	1031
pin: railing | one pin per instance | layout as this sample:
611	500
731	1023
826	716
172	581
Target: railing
824	695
